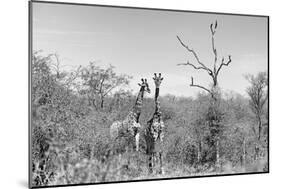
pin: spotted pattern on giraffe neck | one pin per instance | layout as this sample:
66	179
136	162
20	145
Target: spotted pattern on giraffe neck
138	105
157	102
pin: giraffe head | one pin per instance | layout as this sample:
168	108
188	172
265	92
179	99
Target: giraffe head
144	85
157	80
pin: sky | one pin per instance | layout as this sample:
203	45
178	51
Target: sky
141	42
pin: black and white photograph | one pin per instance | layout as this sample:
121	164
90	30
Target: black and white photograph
120	94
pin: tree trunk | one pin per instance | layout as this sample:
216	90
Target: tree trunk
102	103
218	153
243	158
256	157
259	124
199	152
257	146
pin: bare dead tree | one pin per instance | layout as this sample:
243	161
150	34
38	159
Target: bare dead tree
213	72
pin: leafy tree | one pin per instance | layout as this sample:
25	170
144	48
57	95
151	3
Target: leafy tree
99	82
258	94
119	99
42	80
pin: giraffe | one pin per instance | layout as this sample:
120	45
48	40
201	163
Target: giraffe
154	132
131	123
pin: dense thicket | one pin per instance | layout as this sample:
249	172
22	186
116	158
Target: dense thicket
72	112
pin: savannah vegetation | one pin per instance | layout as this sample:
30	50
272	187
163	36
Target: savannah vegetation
72	109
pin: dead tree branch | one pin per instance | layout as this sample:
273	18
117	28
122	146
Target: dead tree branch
213	31
189	64
199	86
223	64
195	55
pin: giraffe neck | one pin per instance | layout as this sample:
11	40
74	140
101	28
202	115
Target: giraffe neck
156	99
138	104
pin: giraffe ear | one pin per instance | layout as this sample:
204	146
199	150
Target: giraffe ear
139	84
162	78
